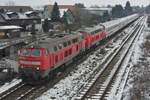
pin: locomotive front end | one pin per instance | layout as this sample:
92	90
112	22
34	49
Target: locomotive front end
30	64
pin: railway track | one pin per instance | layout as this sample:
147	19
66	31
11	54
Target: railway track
20	92
17	92
101	82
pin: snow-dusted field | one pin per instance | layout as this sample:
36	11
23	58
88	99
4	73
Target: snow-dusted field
138	83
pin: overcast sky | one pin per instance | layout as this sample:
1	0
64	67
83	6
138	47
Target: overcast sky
86	2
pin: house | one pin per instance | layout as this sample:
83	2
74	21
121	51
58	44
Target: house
27	20
99	11
68	17
48	9
17	8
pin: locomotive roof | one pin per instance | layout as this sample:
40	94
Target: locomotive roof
50	42
92	29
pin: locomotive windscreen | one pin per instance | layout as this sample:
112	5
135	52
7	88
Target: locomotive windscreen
30	52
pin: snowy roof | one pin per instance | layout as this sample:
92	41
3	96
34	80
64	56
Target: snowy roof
9	27
22	16
99	9
10	12
29	12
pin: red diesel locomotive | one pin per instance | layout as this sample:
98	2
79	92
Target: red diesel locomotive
39	61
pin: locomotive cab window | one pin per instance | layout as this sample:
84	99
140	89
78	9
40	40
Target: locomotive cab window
36	52
25	52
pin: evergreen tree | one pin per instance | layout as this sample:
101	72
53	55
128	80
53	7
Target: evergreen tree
118	11
55	15
128	9
65	21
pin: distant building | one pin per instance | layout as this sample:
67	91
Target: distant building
48	9
28	20
17	8
99	11
137	9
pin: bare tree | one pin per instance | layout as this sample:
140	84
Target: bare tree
10	3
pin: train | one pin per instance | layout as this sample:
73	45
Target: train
41	60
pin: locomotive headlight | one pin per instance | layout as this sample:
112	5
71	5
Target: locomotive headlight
37	68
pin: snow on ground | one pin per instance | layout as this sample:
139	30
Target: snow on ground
118	87
138	83
7	86
12	64
68	87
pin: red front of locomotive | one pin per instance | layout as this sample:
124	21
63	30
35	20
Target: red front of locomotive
32	63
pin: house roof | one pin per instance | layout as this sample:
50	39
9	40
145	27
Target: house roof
19	15
16	8
99	9
50	7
